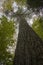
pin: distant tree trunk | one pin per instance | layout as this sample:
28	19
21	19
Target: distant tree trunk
29	50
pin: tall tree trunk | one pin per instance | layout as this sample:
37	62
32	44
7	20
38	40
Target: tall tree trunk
29	50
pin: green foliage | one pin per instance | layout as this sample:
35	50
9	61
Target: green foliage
7	30
7	5
22	2
38	27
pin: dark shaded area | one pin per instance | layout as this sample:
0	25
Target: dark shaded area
35	3
29	50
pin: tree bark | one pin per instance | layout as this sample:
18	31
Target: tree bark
29	50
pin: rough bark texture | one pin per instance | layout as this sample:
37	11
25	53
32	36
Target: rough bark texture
29	50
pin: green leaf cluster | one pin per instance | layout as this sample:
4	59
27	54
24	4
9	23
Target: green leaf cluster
22	2
7	30
7	5
38	27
